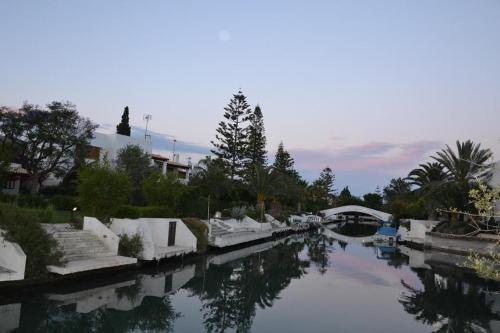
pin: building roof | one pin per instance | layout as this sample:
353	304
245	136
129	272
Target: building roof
159	157
387	231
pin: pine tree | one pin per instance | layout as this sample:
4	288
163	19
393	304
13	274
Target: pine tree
283	162
231	138
256	148
326	180
123	127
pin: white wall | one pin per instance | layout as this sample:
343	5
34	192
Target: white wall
110	144
245	224
105	235
154	232
13	258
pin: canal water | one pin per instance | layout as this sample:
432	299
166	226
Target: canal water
301	283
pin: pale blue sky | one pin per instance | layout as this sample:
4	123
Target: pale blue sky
368	87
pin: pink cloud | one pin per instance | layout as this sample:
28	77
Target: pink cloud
380	156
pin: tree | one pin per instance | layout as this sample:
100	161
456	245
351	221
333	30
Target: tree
49	140
256	148
427	174
264	183
464	168
283	162
372	200
433	186
345	198
397	187
320	192
102	190
123	127
137	165
163	190
231	138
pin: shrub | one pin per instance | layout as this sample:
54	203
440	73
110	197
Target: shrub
163	190
23	227
200	230
135	212
32	200
156	211
9	198
63	202
130	246
127	212
102	191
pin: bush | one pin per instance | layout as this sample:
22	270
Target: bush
200	230
127	212
130	246
102	191
135	212
8	198
63	202
32	200
23	227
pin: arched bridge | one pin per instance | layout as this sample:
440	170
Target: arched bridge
347	239
356	209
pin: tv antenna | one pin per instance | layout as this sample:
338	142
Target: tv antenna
147	117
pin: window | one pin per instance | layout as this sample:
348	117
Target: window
10	183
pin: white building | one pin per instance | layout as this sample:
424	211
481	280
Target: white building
108	145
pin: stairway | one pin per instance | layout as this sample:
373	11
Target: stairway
217	231
80	245
82	251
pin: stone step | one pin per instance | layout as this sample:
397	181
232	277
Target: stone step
86	264
74	257
84	250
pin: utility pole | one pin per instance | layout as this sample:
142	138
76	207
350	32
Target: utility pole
147	117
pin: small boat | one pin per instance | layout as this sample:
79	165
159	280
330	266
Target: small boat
385	234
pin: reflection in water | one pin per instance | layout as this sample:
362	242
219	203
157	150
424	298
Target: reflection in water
449	304
230	293
236	288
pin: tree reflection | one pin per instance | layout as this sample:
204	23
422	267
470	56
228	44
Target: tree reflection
319	248
448	303
230	293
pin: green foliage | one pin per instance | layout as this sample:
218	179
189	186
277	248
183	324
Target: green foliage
8	198
63	202
373	201
23	227
320	193
485	267
283	162
49	139
133	161
163	190
345	198
231	138
123	127
130	246
102	191
256	146
135	212
32	201
200	230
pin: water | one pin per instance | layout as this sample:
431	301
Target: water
308	283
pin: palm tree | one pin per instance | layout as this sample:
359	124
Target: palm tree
264	183
464	167
427	174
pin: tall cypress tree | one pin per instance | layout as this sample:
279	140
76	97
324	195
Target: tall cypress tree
283	162
256	148
231	138
123	127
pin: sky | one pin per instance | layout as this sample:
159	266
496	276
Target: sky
369	88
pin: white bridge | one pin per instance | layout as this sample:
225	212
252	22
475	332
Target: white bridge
347	239
329	213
